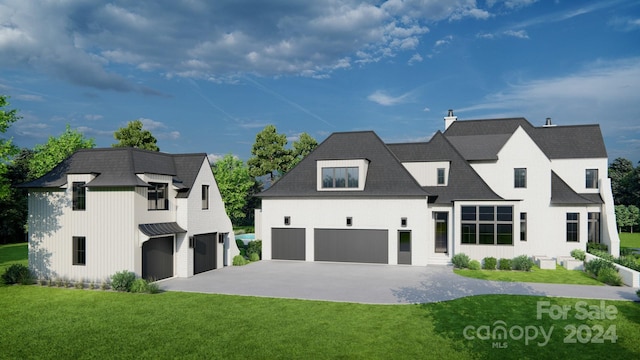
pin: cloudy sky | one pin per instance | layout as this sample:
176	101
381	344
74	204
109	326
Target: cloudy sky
206	76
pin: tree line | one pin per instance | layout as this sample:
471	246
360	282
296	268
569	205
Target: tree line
625	185
238	181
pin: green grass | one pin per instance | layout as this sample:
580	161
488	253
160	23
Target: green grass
12	254
558	276
630	240
43	322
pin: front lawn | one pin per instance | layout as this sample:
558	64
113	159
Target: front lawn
558	276
12	254
630	240
43	322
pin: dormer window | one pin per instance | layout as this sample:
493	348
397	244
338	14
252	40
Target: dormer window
157	196
79	196
340	177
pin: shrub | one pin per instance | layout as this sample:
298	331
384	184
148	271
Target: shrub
522	263
79	285
139	286
594	246
595	266
254	247
239	260
638	293
104	285
474	265
254	257
626	251
505	264
489	263
460	260
122	280
602	254
628	261
17	274
242	247
93	286
610	276
578	254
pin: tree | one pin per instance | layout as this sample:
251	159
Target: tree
133	136
634	216
235	184
7	149
269	154
622	216
621	172
13	208
47	156
301	148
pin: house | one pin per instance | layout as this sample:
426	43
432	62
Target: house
106	210
496	187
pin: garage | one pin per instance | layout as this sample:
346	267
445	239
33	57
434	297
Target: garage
204	254
288	244
157	258
351	245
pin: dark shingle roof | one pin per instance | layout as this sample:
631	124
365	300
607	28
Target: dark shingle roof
563	194
158	229
116	167
464	183
385	177
483	139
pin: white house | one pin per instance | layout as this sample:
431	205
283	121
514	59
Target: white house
498	187
106	210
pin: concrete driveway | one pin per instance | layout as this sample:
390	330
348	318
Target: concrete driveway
369	283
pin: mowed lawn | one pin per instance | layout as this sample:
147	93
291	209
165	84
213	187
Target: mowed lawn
57	323
12	254
558	276
630	240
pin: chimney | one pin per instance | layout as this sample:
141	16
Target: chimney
449	119
548	123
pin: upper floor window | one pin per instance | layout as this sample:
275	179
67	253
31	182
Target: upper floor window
520	177
591	176
79	196
157	196
205	197
441	179
340	177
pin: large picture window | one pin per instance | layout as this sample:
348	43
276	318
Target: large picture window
487	225
157	196
79	250
339	177
79	196
573	227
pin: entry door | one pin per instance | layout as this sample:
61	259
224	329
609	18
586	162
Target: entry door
442	233
404	247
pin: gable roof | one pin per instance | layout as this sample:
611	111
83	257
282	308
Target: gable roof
464	183
483	139
386	176
563	194
117	167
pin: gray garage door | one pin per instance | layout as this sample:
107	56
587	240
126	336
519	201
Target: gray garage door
204	254
287	244
351	245
157	258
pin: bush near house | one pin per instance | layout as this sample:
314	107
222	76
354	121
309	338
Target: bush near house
254	247
239	260
578	254
610	277
522	263
474	265
489	263
504	264
122	280
595	246
17	274
460	260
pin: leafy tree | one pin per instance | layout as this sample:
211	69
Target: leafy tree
622	216
7	149
134	136
634	216
47	156
301	148
269	156
235	184
621	172
13	208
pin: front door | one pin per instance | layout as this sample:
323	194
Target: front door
442	233
404	247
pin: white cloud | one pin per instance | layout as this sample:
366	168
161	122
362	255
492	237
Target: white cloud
149	124
521	34
29	97
382	98
93	117
415	59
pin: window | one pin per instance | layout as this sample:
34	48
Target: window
520	178
523	226
79	250
287	220
591	176
349	221
593	227
403	222
205	197
487	225
79	196
157	196
340	177
573	226
441	180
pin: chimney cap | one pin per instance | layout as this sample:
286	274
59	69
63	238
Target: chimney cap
548	123
450	114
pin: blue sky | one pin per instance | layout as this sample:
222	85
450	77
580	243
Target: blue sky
206	76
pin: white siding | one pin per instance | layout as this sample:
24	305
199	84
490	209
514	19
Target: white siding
426	173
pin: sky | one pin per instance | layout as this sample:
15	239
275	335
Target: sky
207	76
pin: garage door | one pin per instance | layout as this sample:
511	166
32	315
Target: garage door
363	246
204	254
287	244
157	258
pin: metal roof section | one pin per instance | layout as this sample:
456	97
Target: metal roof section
158	229
563	194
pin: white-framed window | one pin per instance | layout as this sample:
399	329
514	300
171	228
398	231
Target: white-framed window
441	176
340	177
